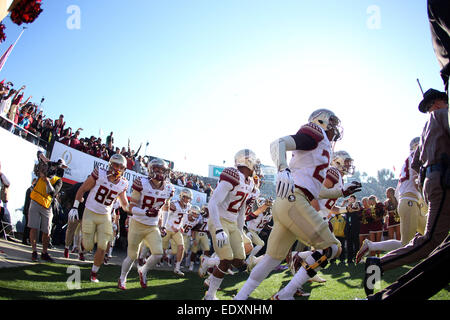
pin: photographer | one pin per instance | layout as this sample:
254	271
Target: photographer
40	213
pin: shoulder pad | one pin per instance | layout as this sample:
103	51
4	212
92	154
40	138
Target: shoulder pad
313	130
230	175
137	184
333	174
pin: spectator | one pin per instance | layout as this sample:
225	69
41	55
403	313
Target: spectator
5	103
59	125
75	142
110	139
40	213
26	207
352	227
208	190
338	222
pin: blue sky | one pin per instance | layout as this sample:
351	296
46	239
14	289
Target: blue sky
204	79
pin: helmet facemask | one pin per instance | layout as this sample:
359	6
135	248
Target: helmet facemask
158	173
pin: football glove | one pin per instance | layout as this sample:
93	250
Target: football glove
285	183
354	187
73	214
221	238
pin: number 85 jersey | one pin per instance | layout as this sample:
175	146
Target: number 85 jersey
236	198
146	197
104	193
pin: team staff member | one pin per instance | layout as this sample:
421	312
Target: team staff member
40	213
431	159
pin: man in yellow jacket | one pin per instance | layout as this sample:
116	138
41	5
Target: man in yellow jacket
40	214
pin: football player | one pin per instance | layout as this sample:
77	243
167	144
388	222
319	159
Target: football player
412	215
227	215
190	221
294	217
105	187
150	199
178	209
255	222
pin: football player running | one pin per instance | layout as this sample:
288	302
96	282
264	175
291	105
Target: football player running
150	199
294	216
200	240
178	210
105	187
410	202
190	221
227	215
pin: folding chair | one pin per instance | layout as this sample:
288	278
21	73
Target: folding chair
7	229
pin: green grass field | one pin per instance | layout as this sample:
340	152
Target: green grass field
48	281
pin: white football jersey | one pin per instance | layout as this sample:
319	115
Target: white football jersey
236	198
308	168
259	222
406	182
188	225
325	205
251	200
202	225
151	198
176	218
102	196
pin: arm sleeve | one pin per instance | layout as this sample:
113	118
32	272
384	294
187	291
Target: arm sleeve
304	142
332	193
219	195
278	150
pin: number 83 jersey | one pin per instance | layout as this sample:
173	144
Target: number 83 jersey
102	196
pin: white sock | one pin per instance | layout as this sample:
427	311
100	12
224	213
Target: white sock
151	262
299	278
95	268
110	251
178	265
214	285
387	245
126	267
258	274
144	252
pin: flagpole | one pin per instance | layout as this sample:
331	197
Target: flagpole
5	56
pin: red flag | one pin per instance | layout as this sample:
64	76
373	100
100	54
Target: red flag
8	52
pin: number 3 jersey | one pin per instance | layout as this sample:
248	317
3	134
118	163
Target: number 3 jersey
236	198
102	196
308	167
146	197
176	215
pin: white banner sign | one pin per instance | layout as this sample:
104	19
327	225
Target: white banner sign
81	165
17	158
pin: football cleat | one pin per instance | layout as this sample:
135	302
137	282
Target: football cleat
178	272
121	285
66	253
81	257
46	257
363	251
75	250
94	277
203	266
278	297
34	256
142	279
370	261
141	262
318	279
301	293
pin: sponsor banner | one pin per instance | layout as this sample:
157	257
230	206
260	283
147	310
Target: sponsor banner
80	166
215	171
17	158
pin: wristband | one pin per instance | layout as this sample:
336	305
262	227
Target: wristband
76	203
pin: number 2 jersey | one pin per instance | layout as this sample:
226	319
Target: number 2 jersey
325	205
102	196
236	198
308	167
146	197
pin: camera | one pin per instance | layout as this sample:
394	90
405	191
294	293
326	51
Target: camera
48	168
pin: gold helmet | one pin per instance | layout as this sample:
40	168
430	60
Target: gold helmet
414	144
195	211
343	162
186	193
158	169
117	165
328	121
246	158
